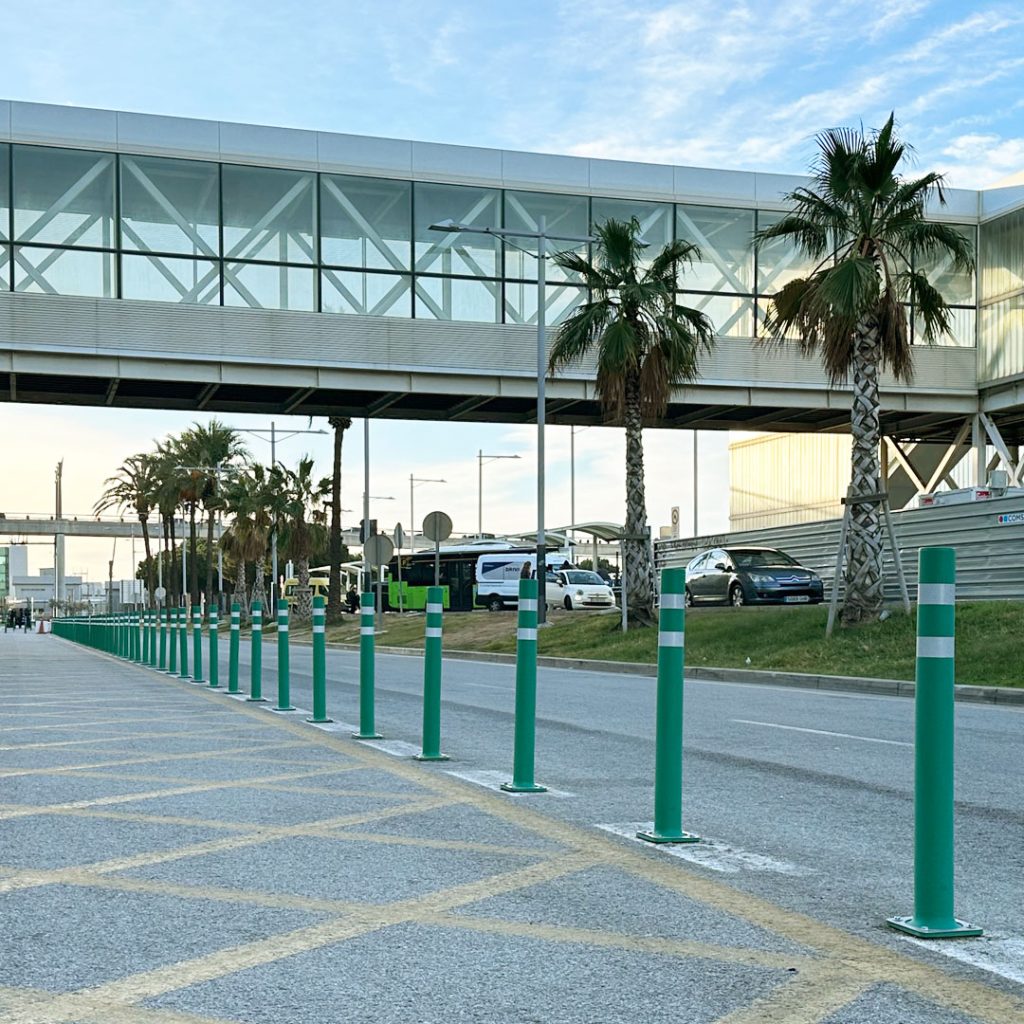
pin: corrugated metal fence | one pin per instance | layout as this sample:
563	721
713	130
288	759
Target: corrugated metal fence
988	537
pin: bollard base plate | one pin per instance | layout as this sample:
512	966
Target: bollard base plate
367	736
666	837
511	787
278	707
215	686
960	929
256	700
431	757
320	721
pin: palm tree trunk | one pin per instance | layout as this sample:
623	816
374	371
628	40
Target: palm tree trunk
193	568
863	579
239	596
303	610
334	608
209	560
149	562
259	592
636	551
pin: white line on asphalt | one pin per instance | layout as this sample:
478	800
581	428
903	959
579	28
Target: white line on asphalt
396	748
998	954
494	780
823	732
709	853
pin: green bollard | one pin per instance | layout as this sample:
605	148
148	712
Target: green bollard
152	638
197	644
366	683
283	668
236	629
183	642
172	645
319	663
137	637
933	753
256	661
526	693
431	750
145	638
214	656
162	662
668	757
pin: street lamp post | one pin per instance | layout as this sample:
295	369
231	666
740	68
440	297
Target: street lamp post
542	238
273	438
481	459
413	481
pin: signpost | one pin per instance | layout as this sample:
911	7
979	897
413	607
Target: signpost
437	527
377	551
399	544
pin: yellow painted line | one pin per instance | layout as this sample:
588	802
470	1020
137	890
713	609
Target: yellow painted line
807	998
196	755
680	948
30	879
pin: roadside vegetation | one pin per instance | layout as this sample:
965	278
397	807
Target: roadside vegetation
773	639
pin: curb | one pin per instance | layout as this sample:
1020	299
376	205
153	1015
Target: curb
1003	695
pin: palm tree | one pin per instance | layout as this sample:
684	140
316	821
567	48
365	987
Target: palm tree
864	225
246	500
647	344
302	527
135	486
168	499
334	612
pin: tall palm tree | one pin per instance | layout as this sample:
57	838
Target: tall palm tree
135	485
334	613
864	225
646	344
246	501
168	500
302	527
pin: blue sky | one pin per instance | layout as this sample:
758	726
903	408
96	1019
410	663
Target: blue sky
725	84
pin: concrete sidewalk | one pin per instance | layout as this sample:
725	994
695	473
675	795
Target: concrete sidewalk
171	856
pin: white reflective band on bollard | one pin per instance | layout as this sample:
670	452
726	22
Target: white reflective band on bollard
936	593
433	608
235	626
366	630
434	631
671	638
935	646
526	634
282	629
527	604
673	600
318	629
257	627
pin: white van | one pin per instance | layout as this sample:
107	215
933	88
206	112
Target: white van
497	578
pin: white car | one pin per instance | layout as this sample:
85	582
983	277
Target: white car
579	588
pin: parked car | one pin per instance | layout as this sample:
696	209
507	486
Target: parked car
747	575
581	588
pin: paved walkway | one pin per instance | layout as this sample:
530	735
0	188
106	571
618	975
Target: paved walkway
170	856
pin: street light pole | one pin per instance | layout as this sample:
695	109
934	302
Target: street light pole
481	459
542	237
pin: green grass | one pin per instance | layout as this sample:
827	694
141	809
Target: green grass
989	644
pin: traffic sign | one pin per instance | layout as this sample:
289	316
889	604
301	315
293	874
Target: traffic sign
160	593
399	537
437	526
378	549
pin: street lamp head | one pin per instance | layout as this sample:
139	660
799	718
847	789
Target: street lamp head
446	225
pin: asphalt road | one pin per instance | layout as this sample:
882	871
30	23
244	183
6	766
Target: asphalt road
818	786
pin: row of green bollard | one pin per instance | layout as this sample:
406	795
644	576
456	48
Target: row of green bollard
142	637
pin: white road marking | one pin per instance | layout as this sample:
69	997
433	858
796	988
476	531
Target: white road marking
396	748
710	853
493	780
997	954
823	732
